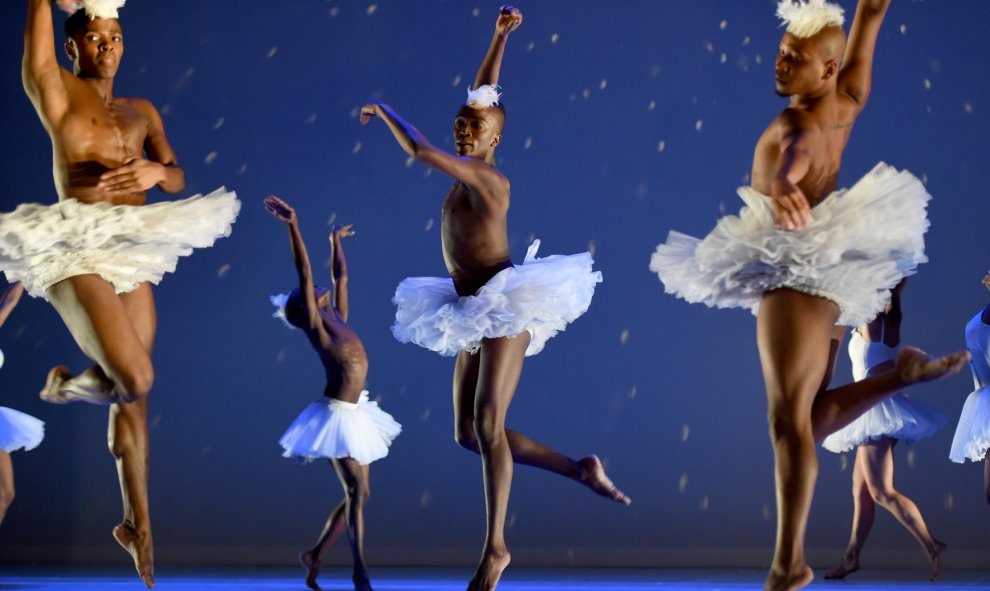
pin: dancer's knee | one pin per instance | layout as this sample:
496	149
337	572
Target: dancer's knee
136	382
786	424
489	429
464	435
885	497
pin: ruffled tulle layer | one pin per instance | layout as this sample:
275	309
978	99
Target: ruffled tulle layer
19	430
541	296
41	245
898	417
972	439
331	428
859	244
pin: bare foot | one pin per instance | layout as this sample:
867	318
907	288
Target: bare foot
849	565
790	581
362	582
312	566
53	385
140	549
593	476
935	557
914	365
489	571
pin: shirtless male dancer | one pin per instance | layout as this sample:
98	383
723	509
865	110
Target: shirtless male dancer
437	313
99	252
808	263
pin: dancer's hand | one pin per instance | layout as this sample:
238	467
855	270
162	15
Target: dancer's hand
790	206
509	19
341	231
69	6
280	209
372	109
135	176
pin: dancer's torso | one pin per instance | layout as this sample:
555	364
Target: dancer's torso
345	361
866	355
475	237
978	343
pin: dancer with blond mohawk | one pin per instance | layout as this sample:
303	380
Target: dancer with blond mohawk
95	253
490	313
809	260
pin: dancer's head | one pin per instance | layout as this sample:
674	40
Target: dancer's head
479	122
95	45
811	49
291	307
986	281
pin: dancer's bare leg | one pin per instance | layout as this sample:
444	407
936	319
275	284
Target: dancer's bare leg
312	559
878	467
127	437
355	479
6	484
100	323
587	471
863	514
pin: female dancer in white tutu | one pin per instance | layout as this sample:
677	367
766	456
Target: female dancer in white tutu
94	254
17	430
972	438
807	258
343	426
490	314
873	349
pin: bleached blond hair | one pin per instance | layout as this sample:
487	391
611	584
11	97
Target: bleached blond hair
806	18
484	96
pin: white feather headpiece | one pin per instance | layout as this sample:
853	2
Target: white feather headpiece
484	96
806	18
279	301
101	8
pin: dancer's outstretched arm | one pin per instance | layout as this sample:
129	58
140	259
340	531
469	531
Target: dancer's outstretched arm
856	75
9	299
160	169
338	270
40	72
285	213
509	19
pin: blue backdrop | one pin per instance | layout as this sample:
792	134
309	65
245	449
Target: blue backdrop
625	119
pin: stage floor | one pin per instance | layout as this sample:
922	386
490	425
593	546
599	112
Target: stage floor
386	579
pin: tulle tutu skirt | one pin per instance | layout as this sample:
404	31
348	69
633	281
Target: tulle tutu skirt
41	245
541	296
859	244
898	417
972	439
331	428
19	430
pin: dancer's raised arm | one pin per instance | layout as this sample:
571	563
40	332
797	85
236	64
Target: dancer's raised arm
40	71
856	75
285	213
509	19
9	300
338	270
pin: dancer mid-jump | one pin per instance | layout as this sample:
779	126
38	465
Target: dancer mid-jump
490	314
94	254
806	257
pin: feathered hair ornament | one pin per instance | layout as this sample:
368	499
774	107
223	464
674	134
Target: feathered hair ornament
100	8
484	96
806	18
279	301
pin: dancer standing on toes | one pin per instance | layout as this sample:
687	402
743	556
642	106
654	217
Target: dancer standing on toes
17	430
972	438
873	349
94	254
490	314
343	426
806	258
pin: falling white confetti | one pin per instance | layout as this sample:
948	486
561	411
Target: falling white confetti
723	25
332	218
928	84
968	107
651	106
457	80
655	71
311	119
219	123
586	93
698	124
476	12
554	38
703	505
528	143
356	148
410	161
426	414
723	58
682	483
911	458
372	9
924	179
210	158
758	59
746	41
334	11
242	169
272	52
531	46
632	393
424	499
843	462
591	245
166	109
355	112
721	205
949	501
281	355
710	47
223	270
903	29
766	511
624	337
512	519
429	225
661	146
685	433
602	84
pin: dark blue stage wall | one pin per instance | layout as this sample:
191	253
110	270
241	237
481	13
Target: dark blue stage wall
625	120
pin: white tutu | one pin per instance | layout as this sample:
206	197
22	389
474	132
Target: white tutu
331	428
541	296
899	417
859	244
19	430
972	438
41	245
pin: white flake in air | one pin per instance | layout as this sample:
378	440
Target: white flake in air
219	123
429	225
272	52
528	143
661	146
372	9
223	270
356	148
624	336
554	38
210	158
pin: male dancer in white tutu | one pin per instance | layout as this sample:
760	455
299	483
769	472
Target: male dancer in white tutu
806	260
489	314
343	426
93	254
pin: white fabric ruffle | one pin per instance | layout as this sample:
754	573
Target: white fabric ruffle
972	438
19	430
899	417
541	296
41	245
859	244
331	428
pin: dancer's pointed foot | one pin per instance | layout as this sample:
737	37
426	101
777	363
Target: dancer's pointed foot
139	547
52	392
914	365
792	580
593	476
935	557
493	562
362	582
312	566
849	565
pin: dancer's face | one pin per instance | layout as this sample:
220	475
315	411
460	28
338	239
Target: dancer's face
97	48
806	67
477	131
